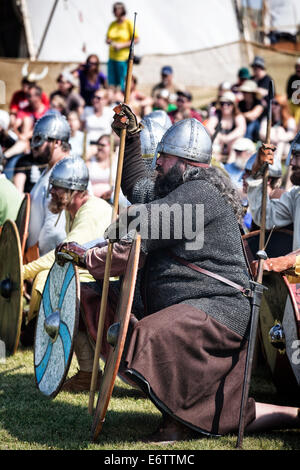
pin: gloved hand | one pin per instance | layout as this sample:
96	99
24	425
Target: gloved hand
281	264
125	119
265	156
70	251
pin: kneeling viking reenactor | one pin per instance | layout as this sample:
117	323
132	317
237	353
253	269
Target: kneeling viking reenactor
86	217
187	351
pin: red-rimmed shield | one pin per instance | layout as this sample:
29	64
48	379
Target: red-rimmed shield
280	305
114	358
22	221
11	286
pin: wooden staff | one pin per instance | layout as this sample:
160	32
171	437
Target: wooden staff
257	290
110	244
266	171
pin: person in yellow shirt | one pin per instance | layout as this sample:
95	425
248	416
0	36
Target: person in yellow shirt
118	37
87	217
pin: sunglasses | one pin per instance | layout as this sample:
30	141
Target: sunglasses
93	63
226	103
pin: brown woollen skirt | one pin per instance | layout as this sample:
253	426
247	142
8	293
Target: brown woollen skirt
193	366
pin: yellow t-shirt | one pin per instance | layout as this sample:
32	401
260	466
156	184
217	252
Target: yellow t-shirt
120	32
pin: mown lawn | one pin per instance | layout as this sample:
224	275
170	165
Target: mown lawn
30	421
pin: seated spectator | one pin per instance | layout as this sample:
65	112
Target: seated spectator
77	136
19	100
283	127
260	76
7	137
293	92
161	100
91	78
73	101
243	74
252	109
242	149
167	82
232	122
184	106
97	119
138	101
57	102
222	88
102	168
36	108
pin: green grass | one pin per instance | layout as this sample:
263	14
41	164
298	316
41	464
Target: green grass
30	421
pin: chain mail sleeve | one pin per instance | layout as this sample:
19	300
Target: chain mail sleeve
137	184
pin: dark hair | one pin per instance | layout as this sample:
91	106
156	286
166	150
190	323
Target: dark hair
120	4
37	88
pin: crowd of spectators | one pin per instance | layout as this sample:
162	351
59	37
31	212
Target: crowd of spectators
236	119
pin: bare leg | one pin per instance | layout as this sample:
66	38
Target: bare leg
274	417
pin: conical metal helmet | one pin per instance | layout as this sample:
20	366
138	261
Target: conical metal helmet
150	135
187	139
51	126
70	173
161	117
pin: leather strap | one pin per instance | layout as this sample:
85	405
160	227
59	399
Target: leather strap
243	290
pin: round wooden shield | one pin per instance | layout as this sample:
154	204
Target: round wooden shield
11	285
280	303
22	221
114	357
56	328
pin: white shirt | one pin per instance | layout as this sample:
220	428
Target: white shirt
280	212
96	126
42	221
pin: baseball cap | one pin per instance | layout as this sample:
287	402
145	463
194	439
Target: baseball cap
167	70
258	62
244	73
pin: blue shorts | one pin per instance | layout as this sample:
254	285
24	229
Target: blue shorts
116	73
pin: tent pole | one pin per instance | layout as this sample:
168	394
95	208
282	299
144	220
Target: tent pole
47	28
28	32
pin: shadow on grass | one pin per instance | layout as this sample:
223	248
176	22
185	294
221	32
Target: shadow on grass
63	422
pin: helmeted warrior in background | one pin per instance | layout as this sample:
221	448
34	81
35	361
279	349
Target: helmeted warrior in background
49	145
279	212
86	218
188	349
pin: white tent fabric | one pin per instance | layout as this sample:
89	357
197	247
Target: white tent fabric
285	15
78	27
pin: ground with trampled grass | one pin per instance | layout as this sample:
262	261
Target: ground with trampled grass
30	421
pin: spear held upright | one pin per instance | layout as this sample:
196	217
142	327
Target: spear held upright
110	244
257	287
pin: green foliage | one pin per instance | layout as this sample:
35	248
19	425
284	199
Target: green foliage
30	421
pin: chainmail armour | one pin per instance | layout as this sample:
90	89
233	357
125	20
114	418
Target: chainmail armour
164	281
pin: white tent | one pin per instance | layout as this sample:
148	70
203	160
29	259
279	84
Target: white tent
78	27
171	32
